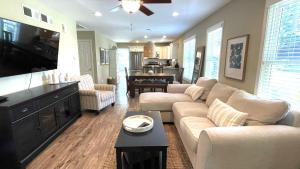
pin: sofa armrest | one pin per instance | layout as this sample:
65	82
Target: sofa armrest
259	147
105	87
177	88
88	92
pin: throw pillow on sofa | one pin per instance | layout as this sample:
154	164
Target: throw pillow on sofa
224	115
220	91
194	91
260	111
208	84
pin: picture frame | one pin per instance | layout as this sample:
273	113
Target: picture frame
104	56
236	57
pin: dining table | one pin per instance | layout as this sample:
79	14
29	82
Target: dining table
134	76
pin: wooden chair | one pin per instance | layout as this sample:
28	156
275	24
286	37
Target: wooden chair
180	76
127	80
159	69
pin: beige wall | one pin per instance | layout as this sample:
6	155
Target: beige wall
106	43
240	17
68	61
99	41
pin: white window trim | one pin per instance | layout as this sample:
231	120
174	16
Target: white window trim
262	42
209	29
185	40
190	38
216	26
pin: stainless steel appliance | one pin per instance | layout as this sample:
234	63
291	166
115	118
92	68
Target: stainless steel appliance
136	60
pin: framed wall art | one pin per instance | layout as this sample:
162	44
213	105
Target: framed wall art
236	57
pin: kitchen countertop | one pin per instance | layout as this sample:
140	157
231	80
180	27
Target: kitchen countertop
165	67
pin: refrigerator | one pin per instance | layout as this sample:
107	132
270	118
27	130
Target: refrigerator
136	61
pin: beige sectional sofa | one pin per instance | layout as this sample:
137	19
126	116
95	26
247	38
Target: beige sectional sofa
270	138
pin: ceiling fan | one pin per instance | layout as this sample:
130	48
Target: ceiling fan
132	6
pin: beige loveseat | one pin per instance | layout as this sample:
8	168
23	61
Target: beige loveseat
269	140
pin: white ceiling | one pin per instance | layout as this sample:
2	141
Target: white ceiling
116	25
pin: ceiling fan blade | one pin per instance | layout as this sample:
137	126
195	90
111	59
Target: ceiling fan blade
116	9
146	11
156	1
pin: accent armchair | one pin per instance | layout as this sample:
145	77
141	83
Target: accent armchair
95	96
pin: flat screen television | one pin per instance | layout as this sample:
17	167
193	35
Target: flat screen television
26	49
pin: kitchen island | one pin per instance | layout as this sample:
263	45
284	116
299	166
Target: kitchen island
165	69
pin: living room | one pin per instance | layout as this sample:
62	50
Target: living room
150	84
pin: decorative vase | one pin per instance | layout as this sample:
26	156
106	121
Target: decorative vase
49	79
61	78
150	72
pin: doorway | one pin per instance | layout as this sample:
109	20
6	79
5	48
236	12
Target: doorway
86	57
122	62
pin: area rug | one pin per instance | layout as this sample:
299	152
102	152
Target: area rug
177	156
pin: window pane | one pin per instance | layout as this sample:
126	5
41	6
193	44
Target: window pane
280	71
213	51
189	49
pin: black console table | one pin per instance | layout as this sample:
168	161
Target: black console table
31	119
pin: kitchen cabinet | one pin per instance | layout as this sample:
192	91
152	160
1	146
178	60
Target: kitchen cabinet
148	50
164	52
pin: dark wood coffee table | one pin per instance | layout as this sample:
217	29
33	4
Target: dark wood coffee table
152	141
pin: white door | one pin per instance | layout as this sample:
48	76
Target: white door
86	57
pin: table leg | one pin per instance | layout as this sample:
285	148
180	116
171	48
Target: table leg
166	89
164	159
119	159
132	90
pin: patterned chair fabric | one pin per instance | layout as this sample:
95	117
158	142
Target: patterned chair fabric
95	96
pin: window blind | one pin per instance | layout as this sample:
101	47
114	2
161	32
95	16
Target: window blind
280	69
213	51
189	49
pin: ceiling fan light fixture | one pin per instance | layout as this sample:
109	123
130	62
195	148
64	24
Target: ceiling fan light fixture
131	6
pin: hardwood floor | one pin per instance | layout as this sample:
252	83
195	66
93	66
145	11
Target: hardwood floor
90	140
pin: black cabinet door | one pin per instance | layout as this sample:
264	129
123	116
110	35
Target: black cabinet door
62	110
48	122
26	135
75	104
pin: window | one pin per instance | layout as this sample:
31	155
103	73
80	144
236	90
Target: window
280	68
189	49
213	51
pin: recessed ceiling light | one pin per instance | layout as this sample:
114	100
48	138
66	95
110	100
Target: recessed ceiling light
146	37
164	37
175	14
97	13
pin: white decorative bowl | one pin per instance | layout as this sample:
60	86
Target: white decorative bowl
133	123
150	72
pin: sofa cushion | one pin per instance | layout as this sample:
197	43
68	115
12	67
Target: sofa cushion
183	109
262	111
191	128
161	101
208	84
194	91
224	115
219	91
